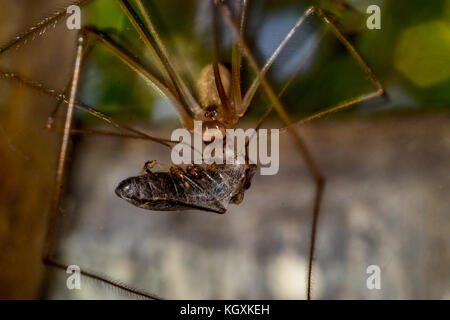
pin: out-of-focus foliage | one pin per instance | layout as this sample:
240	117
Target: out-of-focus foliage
418	33
410	54
413	58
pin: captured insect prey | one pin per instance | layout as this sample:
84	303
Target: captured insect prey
209	188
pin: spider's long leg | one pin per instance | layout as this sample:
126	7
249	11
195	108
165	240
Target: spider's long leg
51	230
342	105
52	263
46	24
219	84
284	116
150	36
41	27
63	151
293	76
318	177
62	99
352	101
131	61
236	58
126	57
38	29
103	133
235	101
52	116
51	119
257	81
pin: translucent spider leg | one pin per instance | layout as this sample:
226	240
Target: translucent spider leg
352	101
63	151
257	81
52	263
60	177
347	103
68	130
60	97
40	27
236	58
137	66
318	177
153	42
136	134
51	118
293	76
320	181
176	92
219	85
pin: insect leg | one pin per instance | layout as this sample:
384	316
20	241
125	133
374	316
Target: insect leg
51	230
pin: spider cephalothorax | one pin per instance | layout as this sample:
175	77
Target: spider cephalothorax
218	109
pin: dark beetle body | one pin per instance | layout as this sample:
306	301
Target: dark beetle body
208	188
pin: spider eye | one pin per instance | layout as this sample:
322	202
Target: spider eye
211	112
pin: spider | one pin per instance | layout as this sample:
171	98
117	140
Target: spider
220	102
